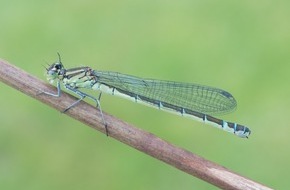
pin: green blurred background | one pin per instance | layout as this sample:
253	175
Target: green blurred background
240	46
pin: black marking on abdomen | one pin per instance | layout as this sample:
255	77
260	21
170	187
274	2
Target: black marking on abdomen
172	107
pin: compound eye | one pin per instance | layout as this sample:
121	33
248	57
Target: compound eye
58	66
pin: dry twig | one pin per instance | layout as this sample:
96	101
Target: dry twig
132	136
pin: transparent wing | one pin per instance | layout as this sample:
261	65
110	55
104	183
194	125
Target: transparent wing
204	99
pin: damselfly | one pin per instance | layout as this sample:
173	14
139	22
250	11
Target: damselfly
193	100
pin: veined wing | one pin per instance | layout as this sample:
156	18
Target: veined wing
204	99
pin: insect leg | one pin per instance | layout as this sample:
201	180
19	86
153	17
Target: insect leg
52	94
84	95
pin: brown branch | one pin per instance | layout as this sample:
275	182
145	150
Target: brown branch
132	136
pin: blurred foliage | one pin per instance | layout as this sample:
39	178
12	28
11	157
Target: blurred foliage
240	46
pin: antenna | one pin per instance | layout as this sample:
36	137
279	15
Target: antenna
59	58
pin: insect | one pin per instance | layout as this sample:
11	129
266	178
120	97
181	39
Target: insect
186	99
